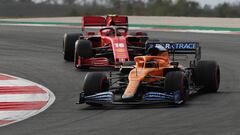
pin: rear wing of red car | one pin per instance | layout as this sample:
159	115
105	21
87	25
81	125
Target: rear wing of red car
100	21
117	20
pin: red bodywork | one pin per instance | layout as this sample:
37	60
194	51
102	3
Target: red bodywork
112	36
90	21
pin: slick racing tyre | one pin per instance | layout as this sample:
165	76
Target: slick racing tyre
207	74
175	80
83	49
95	82
69	45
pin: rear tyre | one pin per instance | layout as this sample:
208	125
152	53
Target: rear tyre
83	49
95	82
176	81
207	74
69	45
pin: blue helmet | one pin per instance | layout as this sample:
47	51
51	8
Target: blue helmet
155	50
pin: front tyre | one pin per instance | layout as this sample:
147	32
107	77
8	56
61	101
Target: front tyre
95	82
175	81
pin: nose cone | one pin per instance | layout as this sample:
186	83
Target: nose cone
126	97
131	88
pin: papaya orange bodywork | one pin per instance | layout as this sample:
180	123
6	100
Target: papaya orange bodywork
139	73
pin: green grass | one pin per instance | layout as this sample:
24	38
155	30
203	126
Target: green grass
132	25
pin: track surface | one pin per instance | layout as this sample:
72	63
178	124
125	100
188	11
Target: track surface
34	53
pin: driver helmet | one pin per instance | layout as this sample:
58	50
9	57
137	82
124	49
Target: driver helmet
156	50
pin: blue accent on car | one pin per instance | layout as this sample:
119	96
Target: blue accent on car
100	97
174	97
150	97
156	96
177	97
176	46
181	46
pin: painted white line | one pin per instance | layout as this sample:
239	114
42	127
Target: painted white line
188	31
18	82
208	31
42	25
203	31
23	97
39	25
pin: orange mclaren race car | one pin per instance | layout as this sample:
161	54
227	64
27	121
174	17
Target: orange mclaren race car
111	45
155	78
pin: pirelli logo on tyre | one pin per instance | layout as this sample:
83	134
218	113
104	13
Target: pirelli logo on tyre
21	99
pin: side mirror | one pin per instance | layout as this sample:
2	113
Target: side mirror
174	64
126	69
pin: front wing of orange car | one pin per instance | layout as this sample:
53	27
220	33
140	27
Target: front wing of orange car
106	98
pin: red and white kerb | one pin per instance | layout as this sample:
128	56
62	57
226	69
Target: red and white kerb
21	99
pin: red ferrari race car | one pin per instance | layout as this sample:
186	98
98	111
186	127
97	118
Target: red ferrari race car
110	46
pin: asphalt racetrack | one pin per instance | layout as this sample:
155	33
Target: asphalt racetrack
35	53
